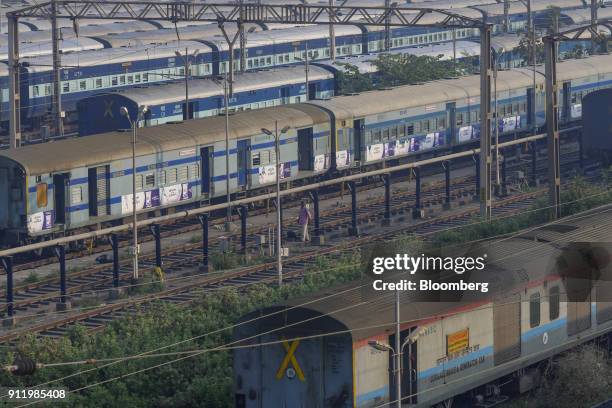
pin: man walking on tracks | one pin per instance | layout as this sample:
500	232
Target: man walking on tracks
303	220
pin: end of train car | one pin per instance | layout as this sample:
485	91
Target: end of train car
596	111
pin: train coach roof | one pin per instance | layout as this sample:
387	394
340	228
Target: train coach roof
435	92
366	313
583	16
202	88
410	96
113	55
65	155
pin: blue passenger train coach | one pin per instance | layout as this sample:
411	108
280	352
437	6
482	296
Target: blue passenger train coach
59	188
166	102
150	57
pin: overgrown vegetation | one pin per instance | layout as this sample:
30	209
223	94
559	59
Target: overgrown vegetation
400	69
578	196
578	379
205	380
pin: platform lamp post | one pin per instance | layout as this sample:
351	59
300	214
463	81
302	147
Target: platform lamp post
142	110
187	64
279	246
411	339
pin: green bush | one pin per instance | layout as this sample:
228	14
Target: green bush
205	380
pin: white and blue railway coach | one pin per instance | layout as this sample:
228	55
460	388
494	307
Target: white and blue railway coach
378	126
166	102
317	351
150	55
94	72
55	188
36	182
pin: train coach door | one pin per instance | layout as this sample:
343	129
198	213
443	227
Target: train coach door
312	90
292	373
99	191
190	116
60	182
358	126
242	159
305	149
4	197
205	154
507	329
578	312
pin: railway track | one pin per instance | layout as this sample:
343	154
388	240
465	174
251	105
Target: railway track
187	225
293	269
171	228
31	297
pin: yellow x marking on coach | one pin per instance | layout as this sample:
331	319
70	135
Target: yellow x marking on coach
108	106
290	357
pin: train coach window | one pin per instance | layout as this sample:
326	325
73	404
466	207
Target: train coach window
553	302
82	85
66	87
534	309
98	82
473	116
171	176
182	172
459	118
139	182
41	195
162	177
393	134
35	91
255	158
377	135
150	180
442	123
402	130
410	129
385	134
194	171
114	81
76	195
425	125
